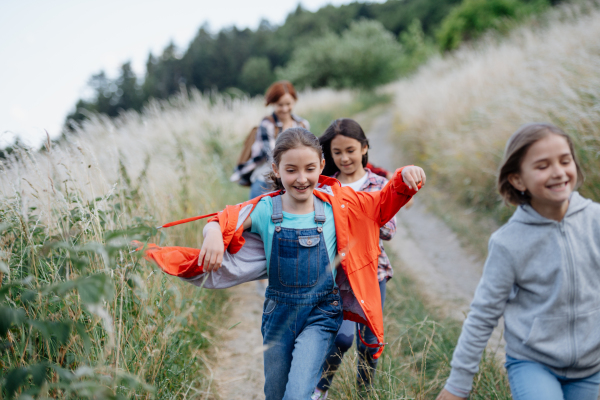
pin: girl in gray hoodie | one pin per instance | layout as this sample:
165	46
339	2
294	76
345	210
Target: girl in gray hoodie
542	274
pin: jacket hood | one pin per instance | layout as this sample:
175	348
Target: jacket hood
527	215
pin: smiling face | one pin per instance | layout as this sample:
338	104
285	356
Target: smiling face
347	154
283	107
549	174
299	171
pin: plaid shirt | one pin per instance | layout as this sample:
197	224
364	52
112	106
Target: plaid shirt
374	183
264	144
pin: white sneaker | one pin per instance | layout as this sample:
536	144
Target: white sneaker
318	395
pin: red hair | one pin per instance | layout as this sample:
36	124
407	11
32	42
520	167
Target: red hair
278	89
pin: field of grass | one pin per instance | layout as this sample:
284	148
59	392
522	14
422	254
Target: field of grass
456	113
416	362
81	316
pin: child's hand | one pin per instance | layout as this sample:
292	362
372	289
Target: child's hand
212	248
412	176
446	395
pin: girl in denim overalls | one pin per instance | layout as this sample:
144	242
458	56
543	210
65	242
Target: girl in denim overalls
303	310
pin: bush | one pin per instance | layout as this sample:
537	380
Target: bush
256	75
364	56
473	17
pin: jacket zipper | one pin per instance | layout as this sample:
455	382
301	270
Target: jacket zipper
571	270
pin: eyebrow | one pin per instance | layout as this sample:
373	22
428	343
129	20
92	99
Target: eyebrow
294	165
546	159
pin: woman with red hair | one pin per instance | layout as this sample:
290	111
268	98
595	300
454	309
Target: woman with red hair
283	97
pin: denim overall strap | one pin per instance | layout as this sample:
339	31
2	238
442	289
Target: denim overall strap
277	216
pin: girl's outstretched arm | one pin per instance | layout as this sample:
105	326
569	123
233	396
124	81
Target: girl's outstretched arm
211	254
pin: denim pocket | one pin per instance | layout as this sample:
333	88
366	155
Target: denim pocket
328	308
298	261
269	306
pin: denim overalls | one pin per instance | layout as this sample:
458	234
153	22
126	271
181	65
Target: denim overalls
302	311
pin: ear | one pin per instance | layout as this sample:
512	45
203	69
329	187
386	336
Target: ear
322	166
276	170
364	149
516	181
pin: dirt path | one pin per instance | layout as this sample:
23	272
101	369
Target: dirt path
430	252
239	371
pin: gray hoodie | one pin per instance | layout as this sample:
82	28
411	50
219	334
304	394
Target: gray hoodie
544	277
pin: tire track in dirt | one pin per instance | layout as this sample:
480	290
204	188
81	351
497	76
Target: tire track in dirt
446	274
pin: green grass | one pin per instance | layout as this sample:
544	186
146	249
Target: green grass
415	363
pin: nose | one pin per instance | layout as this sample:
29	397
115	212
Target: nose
301	178
557	170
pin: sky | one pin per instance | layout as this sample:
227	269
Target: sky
50	49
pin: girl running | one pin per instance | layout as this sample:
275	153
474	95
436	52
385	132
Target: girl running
542	274
345	148
283	97
307	227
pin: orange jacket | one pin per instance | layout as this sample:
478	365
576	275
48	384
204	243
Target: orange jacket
358	217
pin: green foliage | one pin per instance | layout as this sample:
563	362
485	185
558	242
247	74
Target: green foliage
416	46
256	75
364	56
473	17
71	305
416	362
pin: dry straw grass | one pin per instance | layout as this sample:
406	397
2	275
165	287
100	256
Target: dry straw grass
170	161
457	112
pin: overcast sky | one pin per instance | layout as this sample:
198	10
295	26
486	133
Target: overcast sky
49	49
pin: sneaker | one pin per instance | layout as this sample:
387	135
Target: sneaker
318	395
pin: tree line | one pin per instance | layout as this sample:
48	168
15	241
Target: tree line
358	45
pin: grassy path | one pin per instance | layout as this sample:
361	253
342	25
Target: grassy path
430	252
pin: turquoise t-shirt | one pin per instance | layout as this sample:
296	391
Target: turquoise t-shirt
264	226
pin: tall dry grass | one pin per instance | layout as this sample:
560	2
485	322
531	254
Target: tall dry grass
81	316
455	115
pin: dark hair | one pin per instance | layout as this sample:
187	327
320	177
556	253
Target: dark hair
515	151
278	89
345	127
289	139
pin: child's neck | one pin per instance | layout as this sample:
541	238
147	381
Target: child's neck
294	206
550	211
350	178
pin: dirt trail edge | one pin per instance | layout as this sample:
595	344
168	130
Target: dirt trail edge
430	252
239	371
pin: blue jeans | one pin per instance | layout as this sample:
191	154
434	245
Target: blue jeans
295	352
530	380
257	188
366	365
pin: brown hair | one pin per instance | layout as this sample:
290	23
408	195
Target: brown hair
289	139
515	151
345	127
278	89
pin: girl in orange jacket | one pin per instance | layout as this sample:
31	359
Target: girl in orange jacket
307	227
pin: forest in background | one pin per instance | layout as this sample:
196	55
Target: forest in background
358	45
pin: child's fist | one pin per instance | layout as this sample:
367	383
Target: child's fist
412	176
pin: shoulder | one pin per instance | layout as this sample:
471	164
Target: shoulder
301	120
375	180
267	122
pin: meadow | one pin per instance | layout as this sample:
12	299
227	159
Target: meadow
83	317
456	113
80	315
